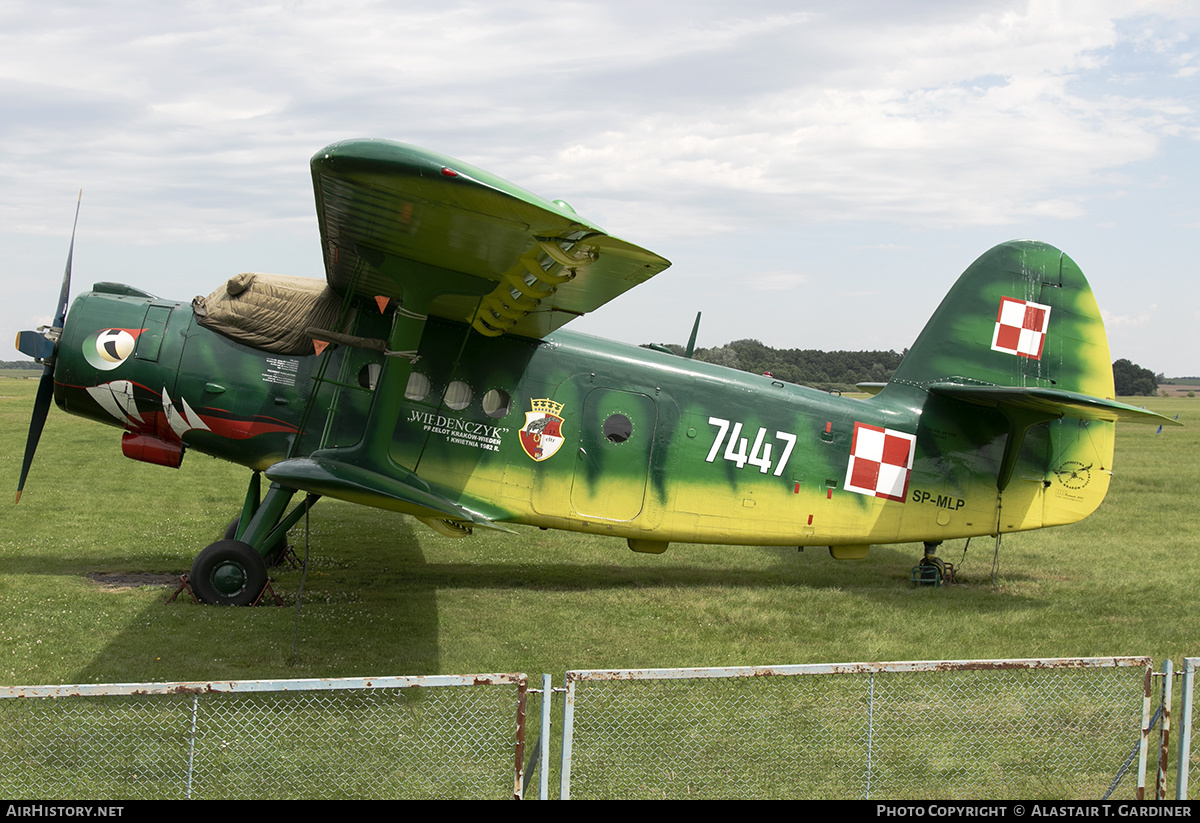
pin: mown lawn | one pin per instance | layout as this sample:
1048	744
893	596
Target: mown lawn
385	595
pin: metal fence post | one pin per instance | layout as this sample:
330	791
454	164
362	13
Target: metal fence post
519	748
1185	730
1164	734
1143	746
192	745
1164	737
870	729
564	773
544	741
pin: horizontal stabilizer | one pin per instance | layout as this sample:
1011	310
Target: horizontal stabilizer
355	484
1051	401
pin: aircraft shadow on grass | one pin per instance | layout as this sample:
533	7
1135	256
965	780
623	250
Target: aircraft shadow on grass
402	591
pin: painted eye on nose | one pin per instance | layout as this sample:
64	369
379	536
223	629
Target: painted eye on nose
114	345
109	348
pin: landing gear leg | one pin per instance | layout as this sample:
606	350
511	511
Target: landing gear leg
231	566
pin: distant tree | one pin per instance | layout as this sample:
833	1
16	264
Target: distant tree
722	356
810	367
1131	379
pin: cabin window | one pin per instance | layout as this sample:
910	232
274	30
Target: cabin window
368	375
496	403
458	395
617	428
418	386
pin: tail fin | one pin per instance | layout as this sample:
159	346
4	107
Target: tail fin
1021	315
1020	333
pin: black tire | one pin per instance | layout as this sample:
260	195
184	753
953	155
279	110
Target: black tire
228	573
276	552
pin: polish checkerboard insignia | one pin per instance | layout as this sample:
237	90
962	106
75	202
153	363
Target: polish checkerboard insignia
1021	328
541	436
880	462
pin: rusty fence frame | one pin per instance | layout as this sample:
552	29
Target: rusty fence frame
198	691
574	679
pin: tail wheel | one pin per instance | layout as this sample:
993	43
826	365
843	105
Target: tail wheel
229	573
933	561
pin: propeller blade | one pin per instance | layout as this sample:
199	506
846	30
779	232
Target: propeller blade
60	316
41	408
45	392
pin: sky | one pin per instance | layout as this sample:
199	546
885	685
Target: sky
818	173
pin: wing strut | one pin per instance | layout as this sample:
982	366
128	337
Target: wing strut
365	472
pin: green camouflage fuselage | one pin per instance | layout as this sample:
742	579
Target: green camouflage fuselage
573	432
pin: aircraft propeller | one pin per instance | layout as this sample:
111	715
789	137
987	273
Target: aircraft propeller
43	345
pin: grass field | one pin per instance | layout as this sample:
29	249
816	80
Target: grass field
384	595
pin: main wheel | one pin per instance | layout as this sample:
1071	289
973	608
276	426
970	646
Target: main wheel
229	573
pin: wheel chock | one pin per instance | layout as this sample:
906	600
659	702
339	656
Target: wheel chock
185	584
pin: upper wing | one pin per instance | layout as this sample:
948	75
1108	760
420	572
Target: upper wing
393	215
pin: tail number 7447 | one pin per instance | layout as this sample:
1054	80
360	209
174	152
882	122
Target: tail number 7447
740	453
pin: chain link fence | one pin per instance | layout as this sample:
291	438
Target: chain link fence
1028	729
397	737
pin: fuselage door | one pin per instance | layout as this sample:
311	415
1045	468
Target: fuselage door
612	462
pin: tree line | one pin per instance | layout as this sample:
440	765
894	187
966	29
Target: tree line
841	370
825	370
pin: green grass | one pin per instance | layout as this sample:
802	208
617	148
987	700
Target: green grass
384	595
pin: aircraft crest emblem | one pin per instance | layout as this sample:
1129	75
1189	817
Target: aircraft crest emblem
541	436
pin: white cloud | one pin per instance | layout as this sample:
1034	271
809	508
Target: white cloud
194	123
1117	321
937	115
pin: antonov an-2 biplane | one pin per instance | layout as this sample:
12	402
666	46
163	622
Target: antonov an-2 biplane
429	376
